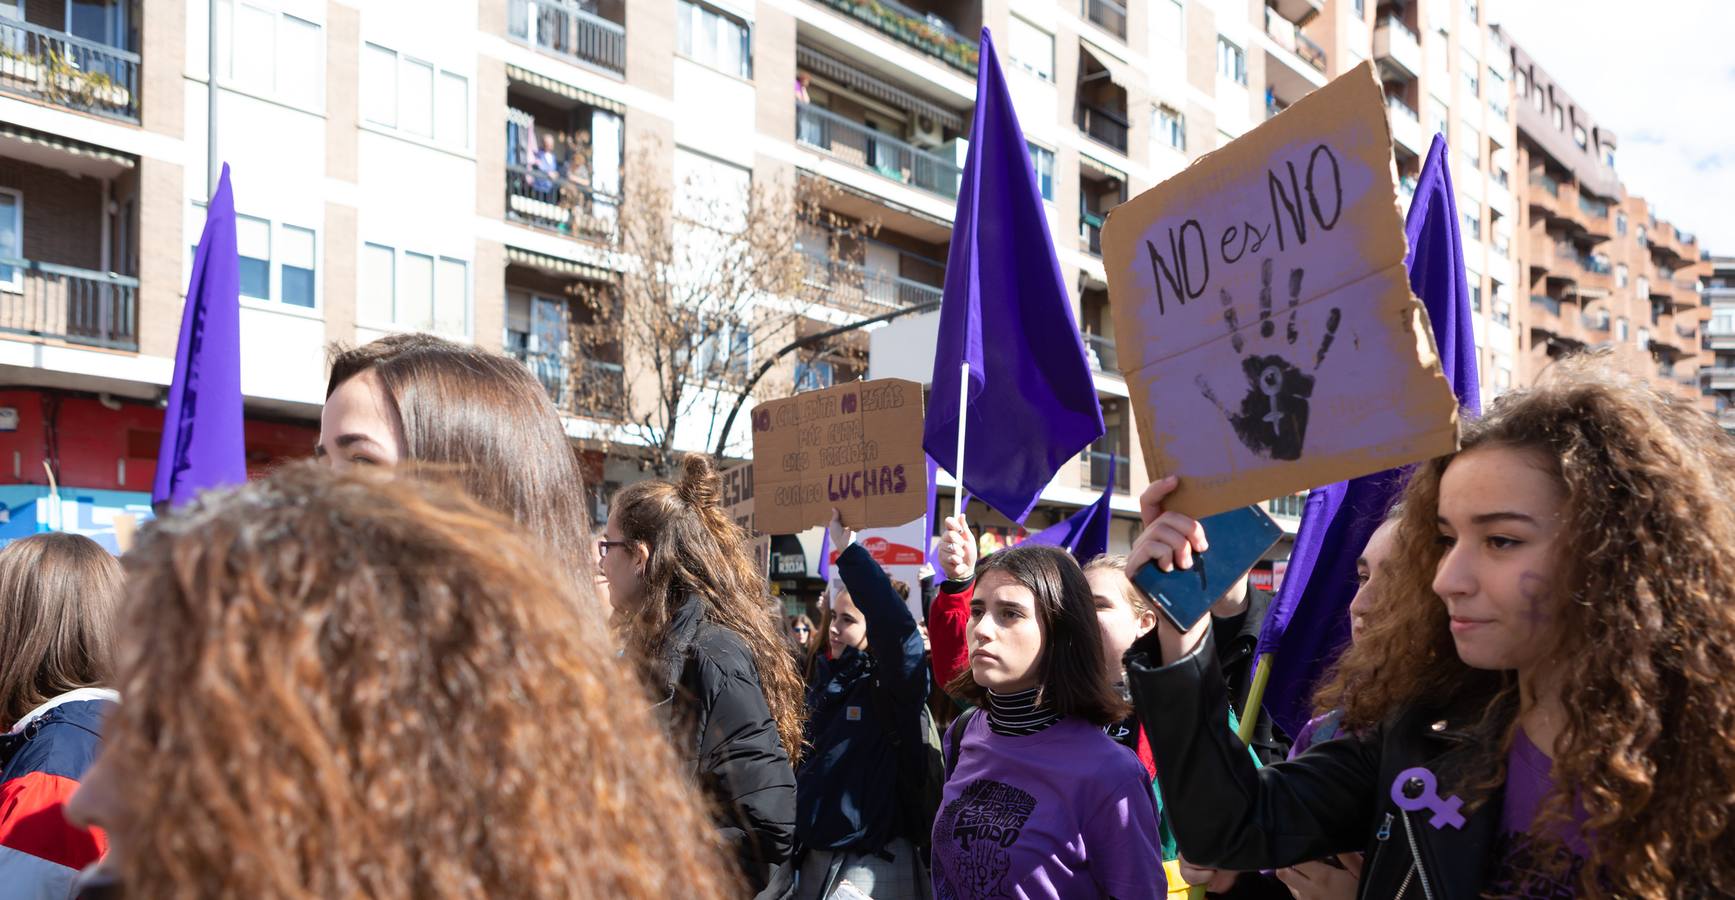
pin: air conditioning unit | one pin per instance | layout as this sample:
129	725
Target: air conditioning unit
924	132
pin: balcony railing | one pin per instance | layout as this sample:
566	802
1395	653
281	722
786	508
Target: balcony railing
1290	38
1109	15
598	392
1090	232
546	201
1548	183
1096	465
1397	105
1546	302
1102	353
875	151
1290	506
928	33
1104	126
1313	53
63	303
847	285
67	71
1594	208
565	30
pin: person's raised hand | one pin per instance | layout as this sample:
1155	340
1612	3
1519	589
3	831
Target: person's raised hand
1169	538
841	536
957	550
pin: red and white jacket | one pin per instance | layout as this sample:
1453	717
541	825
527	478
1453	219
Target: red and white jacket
41	760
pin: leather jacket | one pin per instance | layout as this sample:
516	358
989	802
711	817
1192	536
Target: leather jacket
1335	798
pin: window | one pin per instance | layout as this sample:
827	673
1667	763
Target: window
1472	11
1644	339
1608	155
1171	128
1622	329
1361	9
812	375
1472	74
271	54
1520	83
1643	286
414	291
253	240
403	93
1438	119
1579	137
1231	61
726	351
1640	237
1033	49
1559	118
1621	275
1471	139
1166	23
295	278
1476	294
1497	93
379	74
1042	161
1620	223
714	38
11	238
1472	213
103	21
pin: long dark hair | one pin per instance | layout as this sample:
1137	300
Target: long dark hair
489	419
57	597
695	550
1071	665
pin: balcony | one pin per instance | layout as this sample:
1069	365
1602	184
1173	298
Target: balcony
1102	353
545	202
1720	334
1397	48
1596	324
1287	35
865	148
1096	464
1541	247
1406	126
1298	11
1719	378
1545	194
1104	126
78	306
1593	217
1107	15
561	28
925	32
1726	420
55	67
857	289
1090	233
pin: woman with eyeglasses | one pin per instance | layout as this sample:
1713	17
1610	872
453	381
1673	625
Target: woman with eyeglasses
695	612
800	635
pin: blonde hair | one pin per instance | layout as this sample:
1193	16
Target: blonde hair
1117	563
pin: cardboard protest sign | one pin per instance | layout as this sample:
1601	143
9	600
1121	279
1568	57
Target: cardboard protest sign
1263	313
738	495
857	447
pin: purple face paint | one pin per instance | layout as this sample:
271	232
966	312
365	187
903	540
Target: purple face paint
1534	589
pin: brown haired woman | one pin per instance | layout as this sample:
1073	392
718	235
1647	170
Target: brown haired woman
419	398
692	606
57	596
1039	801
1542	706
352	685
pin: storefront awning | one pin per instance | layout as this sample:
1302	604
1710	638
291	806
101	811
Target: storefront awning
839	71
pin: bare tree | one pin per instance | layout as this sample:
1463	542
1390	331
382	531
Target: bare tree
708	275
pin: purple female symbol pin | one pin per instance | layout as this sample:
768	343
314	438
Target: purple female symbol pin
1416	790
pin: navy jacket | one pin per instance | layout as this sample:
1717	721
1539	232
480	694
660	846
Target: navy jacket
846	795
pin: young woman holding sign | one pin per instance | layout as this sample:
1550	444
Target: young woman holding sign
1542	706
1040	803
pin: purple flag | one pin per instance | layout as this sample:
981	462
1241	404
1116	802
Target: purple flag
825	556
203	445
1032	403
1084	534
1308	624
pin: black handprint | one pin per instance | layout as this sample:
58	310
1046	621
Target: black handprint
1272	419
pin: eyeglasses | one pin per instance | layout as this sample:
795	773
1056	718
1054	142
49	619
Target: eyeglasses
603	545
802	629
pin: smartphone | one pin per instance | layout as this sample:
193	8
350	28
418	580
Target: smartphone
1239	539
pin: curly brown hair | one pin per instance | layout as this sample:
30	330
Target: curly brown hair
1647	591
696	550
370	685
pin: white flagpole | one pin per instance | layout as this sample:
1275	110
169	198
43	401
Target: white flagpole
958	467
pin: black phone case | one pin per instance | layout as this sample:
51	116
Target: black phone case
1238	538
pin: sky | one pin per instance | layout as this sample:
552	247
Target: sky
1661	75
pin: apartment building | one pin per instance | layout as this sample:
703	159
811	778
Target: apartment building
1718	357
1601	268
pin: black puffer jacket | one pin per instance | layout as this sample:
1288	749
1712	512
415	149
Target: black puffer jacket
716	708
1335	798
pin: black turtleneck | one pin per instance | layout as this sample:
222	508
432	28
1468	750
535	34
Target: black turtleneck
1018	713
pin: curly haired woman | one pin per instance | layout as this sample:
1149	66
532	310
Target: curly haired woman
699	617
346	686
1553	650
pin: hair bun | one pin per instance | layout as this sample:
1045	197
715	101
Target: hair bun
701	487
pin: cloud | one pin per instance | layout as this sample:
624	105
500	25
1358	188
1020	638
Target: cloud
1657	74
